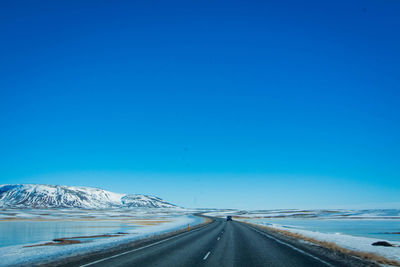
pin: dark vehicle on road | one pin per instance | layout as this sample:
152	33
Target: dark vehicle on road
229	218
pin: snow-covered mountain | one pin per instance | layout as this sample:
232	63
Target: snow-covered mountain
57	196
135	201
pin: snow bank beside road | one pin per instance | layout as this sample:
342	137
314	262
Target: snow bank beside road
361	244
20	255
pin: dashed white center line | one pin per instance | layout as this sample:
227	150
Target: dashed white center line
218	238
206	256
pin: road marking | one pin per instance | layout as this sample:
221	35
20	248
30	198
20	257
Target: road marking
206	256
293	247
147	246
218	238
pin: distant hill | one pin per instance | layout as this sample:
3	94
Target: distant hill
57	196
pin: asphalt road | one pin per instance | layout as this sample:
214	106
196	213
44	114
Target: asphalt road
220	243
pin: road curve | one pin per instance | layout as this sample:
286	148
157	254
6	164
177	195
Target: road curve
220	243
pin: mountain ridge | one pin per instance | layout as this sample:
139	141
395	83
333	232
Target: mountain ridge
60	196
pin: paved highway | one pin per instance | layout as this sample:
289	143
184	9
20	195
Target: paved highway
220	243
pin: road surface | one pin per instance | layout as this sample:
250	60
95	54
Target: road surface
220	243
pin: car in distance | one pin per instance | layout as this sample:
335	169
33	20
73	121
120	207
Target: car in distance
228	218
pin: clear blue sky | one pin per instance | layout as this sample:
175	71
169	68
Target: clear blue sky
241	104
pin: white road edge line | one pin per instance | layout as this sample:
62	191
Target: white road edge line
136	249
293	247
206	256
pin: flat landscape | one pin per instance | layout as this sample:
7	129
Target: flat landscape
40	235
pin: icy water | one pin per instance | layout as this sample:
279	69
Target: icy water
27	232
374	228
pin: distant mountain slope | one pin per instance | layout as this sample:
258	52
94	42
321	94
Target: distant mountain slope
134	201
56	196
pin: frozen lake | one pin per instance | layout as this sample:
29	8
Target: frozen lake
27	226
374	228
26	232
30	227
